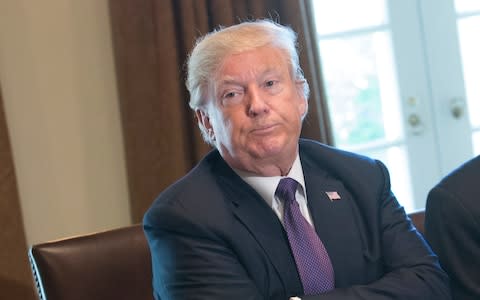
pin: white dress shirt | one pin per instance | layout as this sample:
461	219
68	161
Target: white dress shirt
266	187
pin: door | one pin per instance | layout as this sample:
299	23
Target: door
394	77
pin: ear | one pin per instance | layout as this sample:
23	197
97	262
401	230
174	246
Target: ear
203	119
303	106
303	103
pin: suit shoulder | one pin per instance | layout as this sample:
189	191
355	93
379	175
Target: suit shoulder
465	174
186	191
335	157
459	185
357	172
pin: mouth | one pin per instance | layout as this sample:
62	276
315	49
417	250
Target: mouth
264	129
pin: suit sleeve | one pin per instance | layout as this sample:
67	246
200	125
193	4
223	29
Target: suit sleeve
412	271
190	261
452	231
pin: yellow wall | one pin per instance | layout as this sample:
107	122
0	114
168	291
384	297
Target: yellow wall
60	98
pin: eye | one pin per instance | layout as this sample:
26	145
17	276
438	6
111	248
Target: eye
273	86
270	83
230	95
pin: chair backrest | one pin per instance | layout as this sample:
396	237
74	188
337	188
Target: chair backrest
113	264
418	219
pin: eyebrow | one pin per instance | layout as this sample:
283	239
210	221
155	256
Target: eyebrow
227	80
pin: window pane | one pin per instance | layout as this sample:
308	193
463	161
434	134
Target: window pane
468	31
361	89
395	158
333	16
476	143
464	6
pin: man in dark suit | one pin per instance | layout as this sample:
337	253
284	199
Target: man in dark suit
267	215
452	227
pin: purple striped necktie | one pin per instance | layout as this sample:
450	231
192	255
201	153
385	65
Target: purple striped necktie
311	257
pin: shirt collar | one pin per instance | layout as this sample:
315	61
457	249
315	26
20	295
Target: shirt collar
266	186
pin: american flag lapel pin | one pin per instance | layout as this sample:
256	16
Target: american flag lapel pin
333	196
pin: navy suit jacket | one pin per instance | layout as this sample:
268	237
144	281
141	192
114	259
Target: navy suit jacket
212	236
452	226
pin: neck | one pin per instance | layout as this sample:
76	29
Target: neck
268	167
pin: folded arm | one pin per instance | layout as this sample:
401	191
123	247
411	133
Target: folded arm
412	271
190	262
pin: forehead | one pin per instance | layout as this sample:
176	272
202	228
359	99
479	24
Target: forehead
253	63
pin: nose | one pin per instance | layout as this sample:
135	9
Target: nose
257	104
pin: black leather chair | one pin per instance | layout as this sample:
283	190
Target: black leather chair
107	265
418	219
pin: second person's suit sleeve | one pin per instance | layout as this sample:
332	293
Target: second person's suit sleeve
451	229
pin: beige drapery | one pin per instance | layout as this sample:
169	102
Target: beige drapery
15	277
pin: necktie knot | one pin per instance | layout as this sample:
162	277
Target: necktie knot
286	189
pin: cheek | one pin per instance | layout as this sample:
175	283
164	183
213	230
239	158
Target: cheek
224	129
232	122
234	129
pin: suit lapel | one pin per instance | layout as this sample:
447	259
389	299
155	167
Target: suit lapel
334	220
322	209
261	221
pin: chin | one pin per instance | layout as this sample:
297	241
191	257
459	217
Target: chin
265	150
